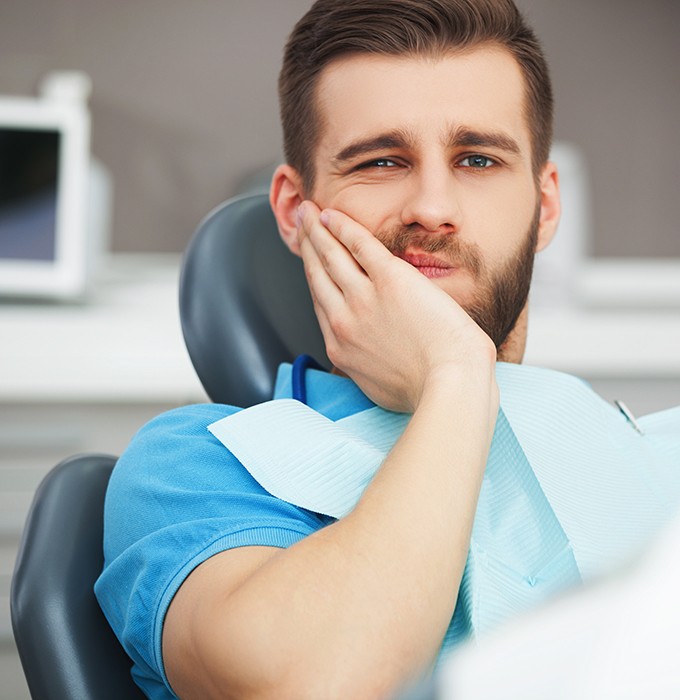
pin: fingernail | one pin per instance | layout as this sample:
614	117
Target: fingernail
298	216
325	217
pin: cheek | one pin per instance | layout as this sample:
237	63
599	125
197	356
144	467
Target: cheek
501	222
370	207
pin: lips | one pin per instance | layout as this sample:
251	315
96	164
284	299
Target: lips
428	265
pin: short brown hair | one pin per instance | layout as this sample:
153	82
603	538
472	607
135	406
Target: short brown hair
336	28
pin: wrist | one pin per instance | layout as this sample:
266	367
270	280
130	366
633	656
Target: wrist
471	382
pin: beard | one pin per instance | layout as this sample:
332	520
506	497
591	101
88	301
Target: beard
500	295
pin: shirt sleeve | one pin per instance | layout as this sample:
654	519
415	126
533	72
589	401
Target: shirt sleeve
176	497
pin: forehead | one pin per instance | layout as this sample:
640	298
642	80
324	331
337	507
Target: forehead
364	95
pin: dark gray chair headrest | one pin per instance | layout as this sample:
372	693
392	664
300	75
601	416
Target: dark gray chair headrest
244	303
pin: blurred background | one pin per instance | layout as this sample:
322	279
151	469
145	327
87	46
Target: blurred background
184	115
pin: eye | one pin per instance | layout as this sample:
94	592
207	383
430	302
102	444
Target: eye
477	162
378	163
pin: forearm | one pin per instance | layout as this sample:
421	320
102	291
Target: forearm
362	605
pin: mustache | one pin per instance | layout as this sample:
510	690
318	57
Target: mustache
456	252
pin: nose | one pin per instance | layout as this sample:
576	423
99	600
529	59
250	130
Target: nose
432	201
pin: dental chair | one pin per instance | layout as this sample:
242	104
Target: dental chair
245	308
244	303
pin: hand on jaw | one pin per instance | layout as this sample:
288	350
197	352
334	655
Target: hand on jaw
384	323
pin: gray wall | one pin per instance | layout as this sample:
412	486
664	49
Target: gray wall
184	103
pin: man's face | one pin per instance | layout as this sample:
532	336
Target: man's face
434	157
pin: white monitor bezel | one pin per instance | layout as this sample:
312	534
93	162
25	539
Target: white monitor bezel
65	276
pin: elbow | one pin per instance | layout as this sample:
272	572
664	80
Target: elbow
286	681
310	683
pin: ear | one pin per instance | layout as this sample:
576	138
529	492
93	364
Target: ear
285	196
549	192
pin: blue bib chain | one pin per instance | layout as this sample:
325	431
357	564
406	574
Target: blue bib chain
300	366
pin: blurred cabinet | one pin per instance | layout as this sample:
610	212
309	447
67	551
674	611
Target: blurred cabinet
631	355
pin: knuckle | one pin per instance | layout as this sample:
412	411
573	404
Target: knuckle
338	226
333	352
356	247
339	327
326	258
311	276
361	303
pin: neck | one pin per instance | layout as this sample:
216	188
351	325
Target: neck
513	348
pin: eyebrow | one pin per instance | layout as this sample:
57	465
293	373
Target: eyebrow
466	137
397	139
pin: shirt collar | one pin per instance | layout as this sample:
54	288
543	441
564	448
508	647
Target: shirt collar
331	395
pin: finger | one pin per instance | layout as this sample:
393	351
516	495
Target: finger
324	323
327	298
322	286
369	253
304	208
332	306
340	264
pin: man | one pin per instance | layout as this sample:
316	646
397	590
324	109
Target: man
417	190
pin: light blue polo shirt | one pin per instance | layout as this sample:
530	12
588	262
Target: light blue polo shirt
176	497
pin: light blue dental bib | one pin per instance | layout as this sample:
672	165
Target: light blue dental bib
571	487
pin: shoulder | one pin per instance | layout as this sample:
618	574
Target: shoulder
160	476
171	445
164	434
181	422
176	476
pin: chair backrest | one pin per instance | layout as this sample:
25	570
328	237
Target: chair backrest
67	648
244	303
